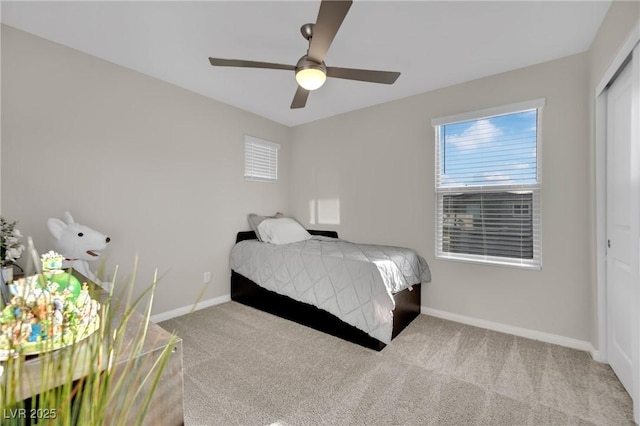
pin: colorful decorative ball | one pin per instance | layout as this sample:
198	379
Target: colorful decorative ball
68	282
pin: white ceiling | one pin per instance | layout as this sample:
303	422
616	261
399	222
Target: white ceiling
433	44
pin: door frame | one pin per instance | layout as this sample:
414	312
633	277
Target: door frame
601	200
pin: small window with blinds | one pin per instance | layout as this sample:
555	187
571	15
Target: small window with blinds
488	186
260	160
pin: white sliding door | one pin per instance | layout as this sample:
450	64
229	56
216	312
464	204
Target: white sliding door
623	227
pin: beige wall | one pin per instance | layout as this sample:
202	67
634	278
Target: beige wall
156	167
379	163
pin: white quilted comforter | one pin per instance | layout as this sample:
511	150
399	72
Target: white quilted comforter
354	282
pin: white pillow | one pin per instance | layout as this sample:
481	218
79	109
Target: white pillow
255	220
282	231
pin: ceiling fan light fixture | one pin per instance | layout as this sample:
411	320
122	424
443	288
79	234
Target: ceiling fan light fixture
310	78
310	75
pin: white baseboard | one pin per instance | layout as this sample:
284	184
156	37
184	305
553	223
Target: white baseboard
189	308
517	331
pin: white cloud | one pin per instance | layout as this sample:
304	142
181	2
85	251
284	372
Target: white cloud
498	176
447	180
481	132
521	166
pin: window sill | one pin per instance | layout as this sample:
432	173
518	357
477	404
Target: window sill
504	262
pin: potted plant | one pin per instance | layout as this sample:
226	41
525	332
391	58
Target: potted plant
10	248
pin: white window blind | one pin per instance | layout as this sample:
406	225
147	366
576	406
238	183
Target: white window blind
488	186
260	159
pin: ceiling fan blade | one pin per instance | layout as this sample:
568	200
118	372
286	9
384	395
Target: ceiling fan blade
300	98
330	17
249	64
372	76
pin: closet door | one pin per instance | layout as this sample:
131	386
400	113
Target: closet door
623	222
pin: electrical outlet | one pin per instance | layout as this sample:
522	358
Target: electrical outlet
207	277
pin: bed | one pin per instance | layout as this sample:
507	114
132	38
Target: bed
397	305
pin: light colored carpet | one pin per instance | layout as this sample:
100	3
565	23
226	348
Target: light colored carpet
244	366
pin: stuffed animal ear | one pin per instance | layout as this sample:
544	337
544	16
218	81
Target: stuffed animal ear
68	218
56	227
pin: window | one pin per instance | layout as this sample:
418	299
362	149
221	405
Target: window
488	186
521	209
260	159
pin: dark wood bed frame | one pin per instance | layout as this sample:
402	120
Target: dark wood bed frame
245	291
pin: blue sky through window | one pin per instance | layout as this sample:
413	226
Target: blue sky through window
498	150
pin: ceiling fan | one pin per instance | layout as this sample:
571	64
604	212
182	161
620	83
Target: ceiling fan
311	71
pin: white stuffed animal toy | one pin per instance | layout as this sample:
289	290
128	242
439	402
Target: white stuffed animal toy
78	244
